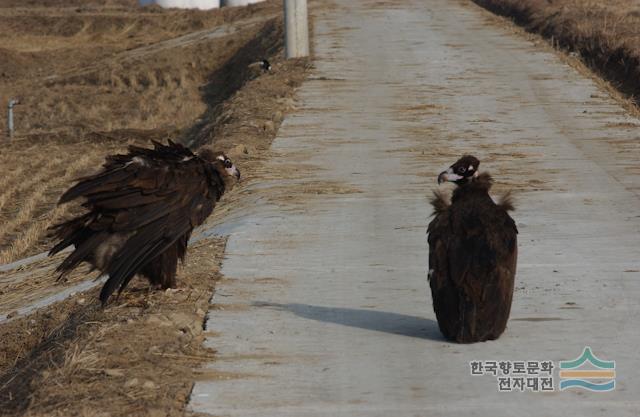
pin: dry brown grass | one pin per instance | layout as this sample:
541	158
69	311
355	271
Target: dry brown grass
103	68
27	230
36	176
604	34
135	357
94	77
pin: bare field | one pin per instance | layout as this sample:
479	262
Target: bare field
604	34
94	77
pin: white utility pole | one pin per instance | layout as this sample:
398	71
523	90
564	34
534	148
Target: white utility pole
231	3
296	28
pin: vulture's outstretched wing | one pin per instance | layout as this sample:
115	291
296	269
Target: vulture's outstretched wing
139	205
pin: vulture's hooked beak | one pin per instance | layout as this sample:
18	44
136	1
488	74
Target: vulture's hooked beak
233	172
448	175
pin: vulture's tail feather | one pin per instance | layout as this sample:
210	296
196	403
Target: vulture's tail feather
140	249
84	250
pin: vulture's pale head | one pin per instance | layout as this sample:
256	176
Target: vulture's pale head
462	171
221	162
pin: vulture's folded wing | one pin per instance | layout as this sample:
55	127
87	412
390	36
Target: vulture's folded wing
152	196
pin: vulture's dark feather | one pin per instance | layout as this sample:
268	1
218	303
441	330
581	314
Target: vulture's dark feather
506	201
84	252
439	203
95	184
142	208
472	257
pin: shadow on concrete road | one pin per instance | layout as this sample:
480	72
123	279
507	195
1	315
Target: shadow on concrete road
381	321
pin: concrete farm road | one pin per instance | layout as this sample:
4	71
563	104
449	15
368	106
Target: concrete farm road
325	308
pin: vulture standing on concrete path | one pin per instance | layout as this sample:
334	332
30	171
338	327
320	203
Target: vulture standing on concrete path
472	256
142	208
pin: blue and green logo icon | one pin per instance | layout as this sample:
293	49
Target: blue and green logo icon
588	372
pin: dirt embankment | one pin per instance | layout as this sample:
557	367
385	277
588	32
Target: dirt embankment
136	357
140	355
195	83
94	78
606	35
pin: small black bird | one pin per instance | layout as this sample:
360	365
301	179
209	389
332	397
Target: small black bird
260	67
472	256
265	65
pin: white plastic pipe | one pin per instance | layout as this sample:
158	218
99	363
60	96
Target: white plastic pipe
10	106
183	4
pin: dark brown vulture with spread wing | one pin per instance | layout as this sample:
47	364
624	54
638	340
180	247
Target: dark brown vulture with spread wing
472	256
141	210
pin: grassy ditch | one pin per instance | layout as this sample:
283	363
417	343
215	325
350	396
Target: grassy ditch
606	35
